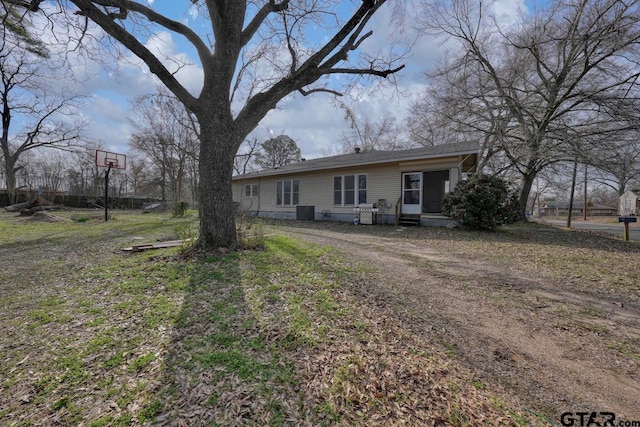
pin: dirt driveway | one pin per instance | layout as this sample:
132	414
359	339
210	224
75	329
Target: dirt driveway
554	343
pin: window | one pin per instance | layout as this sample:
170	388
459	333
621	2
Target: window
337	190
348	189
287	192
411	188
362	189
251	190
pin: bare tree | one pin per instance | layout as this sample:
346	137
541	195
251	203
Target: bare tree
433	120
381	133
51	170
245	158
253	54
27	92
532	91
618	166
458	106
604	195
83	176
168	135
138	175
614	148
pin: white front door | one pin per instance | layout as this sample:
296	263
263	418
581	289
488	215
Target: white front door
412	193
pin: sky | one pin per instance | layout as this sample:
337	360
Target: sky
314	122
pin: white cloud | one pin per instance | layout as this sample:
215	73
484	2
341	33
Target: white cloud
317	124
314	122
109	123
161	44
509	12
109	108
186	71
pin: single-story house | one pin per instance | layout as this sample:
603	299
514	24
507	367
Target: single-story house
561	208
373	186
630	203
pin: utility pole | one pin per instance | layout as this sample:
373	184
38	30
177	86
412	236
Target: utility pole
573	191
584	208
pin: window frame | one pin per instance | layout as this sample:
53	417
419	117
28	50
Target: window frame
253	191
287	188
347	193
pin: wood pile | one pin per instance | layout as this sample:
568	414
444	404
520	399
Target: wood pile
30	207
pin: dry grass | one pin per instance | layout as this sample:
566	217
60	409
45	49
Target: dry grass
282	336
96	337
533	309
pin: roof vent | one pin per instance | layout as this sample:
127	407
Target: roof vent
357	150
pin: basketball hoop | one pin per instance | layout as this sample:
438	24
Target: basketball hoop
106	159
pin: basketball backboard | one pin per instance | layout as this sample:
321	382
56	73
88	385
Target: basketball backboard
106	159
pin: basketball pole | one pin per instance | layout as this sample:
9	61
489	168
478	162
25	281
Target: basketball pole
106	192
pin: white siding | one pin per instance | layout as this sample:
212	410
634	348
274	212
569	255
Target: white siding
248	204
629	204
316	188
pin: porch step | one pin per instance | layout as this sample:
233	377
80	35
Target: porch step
409	220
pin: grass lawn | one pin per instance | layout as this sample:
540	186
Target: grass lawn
95	336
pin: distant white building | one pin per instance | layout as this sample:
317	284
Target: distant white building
630	203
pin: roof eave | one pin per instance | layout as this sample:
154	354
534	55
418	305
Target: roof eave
276	172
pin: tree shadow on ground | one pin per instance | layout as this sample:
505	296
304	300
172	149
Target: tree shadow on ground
222	368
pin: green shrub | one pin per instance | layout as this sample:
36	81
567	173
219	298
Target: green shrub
180	208
482	202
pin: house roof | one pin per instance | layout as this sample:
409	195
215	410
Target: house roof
577	205
368	158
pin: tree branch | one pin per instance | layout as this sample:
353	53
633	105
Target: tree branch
310	71
253	26
31	6
320	89
359	18
364	71
126	5
130	42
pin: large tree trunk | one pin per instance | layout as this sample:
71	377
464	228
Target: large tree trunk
525	190
10	176
217	211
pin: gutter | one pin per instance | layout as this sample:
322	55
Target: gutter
284	171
